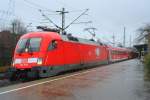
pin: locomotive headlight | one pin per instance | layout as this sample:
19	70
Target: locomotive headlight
13	63
39	61
16	61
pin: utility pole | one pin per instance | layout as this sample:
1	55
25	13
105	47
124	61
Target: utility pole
124	36
113	37
63	12
130	40
13	27
63	27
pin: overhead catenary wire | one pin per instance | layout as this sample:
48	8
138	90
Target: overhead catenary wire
8	14
38	6
62	12
76	19
44	9
49	19
88	22
68	6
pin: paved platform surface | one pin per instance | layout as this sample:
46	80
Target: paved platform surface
119	81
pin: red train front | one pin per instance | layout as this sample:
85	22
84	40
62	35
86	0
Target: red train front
43	54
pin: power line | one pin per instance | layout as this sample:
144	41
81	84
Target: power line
38	6
8	13
11	8
65	5
91	30
62	13
77	18
83	22
49	19
75	11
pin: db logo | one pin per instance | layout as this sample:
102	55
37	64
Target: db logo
97	51
24	60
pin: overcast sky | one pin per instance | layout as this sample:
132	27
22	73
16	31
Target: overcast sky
108	16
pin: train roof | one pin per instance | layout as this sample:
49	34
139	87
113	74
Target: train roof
53	35
69	37
118	48
56	36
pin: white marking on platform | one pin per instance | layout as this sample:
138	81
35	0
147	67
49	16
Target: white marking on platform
17	89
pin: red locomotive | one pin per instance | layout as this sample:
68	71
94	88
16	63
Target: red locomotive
44	54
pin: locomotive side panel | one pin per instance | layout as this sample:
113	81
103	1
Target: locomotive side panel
93	53
55	56
71	53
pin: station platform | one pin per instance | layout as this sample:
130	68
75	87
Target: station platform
118	81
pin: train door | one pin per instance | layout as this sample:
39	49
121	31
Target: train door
109	55
55	53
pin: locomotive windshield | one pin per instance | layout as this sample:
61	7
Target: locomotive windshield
30	44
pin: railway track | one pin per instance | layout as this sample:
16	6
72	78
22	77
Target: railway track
5	82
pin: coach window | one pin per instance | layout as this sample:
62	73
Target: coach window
52	45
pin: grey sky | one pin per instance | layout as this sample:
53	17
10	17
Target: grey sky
108	16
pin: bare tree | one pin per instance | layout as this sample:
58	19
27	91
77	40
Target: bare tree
18	27
7	45
144	33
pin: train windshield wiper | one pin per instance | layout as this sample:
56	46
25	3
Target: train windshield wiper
30	48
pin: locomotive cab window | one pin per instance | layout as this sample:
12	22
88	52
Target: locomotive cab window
53	45
21	45
31	44
35	44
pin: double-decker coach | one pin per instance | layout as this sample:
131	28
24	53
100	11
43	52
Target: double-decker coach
118	54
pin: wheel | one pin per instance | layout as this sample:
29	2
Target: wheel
13	77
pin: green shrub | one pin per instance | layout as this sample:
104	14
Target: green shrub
147	61
147	66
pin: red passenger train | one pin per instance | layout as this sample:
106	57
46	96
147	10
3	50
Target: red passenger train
118	54
44	54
